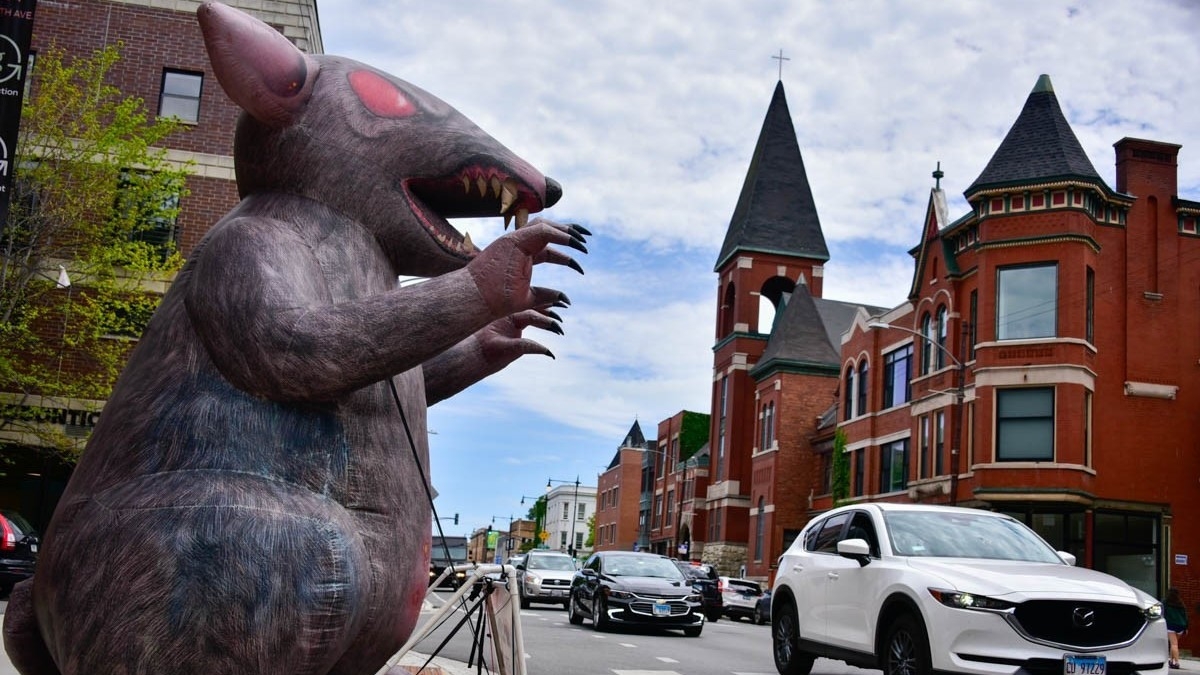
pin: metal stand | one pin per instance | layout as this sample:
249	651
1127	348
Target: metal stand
498	608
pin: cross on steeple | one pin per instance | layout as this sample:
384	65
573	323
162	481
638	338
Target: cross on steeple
781	58
937	176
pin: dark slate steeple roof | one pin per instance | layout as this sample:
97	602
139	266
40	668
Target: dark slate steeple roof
1039	146
799	334
634	439
775	212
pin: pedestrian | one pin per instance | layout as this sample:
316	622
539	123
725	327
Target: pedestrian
1175	612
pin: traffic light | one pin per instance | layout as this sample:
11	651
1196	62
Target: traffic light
456	519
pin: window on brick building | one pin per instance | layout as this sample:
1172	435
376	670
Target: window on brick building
862	389
1090	326
760	529
767	434
670	508
926	344
149	204
1025	424
721	429
848	393
859	467
974	322
658	506
1027	302
180	95
939	443
942	320
897	384
893	466
923	439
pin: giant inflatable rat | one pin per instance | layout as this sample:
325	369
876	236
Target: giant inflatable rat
251	501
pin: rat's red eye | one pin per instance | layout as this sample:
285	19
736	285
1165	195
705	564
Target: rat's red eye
380	96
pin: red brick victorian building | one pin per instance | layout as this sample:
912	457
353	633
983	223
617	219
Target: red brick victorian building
1045	364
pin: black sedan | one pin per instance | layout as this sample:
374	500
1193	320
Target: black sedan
634	589
18	550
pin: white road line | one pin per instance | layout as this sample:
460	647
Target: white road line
666	659
629	644
645	672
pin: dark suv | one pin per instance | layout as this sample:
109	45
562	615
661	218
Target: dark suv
18	550
707	583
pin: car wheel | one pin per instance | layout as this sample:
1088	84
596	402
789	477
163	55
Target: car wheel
906	648
524	601
572	616
713	615
599	618
785	642
693	631
759	618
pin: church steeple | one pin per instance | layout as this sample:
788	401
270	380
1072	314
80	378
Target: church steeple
1039	147
775	212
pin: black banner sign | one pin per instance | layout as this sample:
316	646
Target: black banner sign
16	31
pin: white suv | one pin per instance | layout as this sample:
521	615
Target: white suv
913	589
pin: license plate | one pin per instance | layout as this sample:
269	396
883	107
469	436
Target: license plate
662	609
1078	664
33	548
556	593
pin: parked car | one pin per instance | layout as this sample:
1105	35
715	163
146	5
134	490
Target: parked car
707	583
18	550
634	589
739	597
762	608
917	589
545	576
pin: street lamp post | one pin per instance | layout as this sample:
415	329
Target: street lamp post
959	388
507	536
574	509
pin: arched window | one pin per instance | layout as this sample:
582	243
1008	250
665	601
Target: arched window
862	389
927	338
760	534
942	319
726	310
848	394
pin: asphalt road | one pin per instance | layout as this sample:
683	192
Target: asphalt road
553	646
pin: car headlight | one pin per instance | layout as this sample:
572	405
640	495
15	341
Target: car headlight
618	595
694	597
1154	611
960	600
532	578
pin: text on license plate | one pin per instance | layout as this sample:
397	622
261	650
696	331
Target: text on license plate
1078	664
661	609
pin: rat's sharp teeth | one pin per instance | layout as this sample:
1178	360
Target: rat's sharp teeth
466	184
522	218
495	186
507	197
482	185
507	219
467	243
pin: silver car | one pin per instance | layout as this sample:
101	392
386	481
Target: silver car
545	576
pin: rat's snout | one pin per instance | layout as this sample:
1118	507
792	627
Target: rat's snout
553	192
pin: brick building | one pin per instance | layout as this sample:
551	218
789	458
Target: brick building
1045	364
775	362
618	494
163	62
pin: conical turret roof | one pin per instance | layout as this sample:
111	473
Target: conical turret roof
1039	147
775	212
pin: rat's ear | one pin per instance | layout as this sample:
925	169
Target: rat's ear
257	67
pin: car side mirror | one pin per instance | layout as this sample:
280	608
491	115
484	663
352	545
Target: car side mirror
588	573
1067	558
520	566
855	549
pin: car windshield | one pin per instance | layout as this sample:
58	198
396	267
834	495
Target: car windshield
955	534
18	523
744	587
638	566
550	562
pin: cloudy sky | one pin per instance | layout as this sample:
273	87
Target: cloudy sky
647	113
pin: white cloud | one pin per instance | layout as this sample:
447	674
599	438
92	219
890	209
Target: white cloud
648	113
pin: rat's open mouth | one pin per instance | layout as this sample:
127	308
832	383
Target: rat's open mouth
475	191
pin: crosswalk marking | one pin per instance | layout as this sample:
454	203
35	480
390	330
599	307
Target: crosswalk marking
629	644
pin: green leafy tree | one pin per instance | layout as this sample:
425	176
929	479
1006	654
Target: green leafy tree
591	532
94	198
841	468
